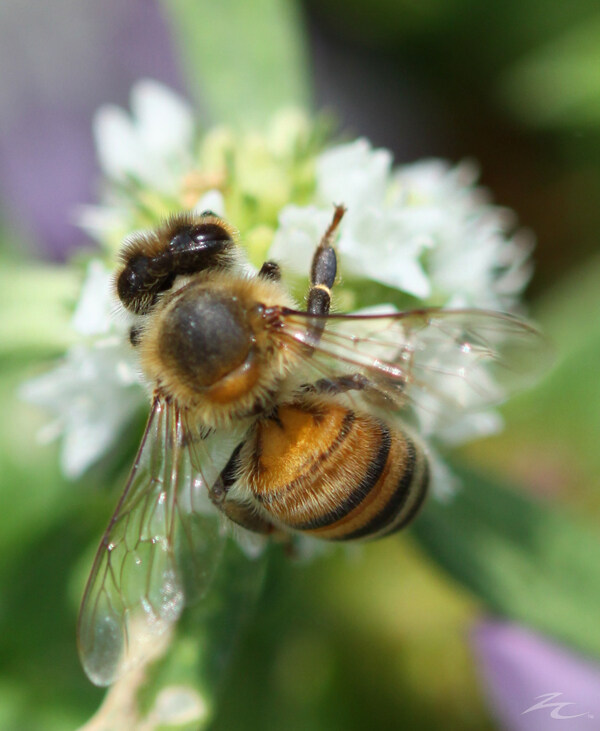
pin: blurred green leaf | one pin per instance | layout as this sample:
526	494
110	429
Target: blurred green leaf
559	82
521	558
561	415
34	494
564	312
244	60
209	631
35	301
525	559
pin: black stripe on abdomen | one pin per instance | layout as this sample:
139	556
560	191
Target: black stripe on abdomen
360	492
423	489
394	505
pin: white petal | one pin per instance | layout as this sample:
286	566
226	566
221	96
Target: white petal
408	276
374	244
213	201
84	444
96	427
444	483
45	390
354	174
469	427
117	144
93	312
93	394
404	273
100	222
165	122
299	232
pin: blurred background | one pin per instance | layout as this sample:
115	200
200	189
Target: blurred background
385	638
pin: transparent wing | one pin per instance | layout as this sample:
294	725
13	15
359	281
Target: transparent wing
202	528
134	593
436	359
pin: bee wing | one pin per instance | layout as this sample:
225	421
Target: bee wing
204	529
134	593
436	359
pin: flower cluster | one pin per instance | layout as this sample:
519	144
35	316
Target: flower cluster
158	161
423	229
414	235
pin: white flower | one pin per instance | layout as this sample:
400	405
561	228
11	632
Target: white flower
152	149
211	201
354	174
470	259
371	232
96	390
154	145
423	229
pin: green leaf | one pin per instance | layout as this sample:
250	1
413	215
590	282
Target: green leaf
198	658
561	416
527	560
558	84
243	60
523	559
35	301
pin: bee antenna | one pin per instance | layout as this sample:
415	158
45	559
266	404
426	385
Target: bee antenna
338	214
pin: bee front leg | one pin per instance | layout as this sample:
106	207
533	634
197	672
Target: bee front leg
323	271
270	270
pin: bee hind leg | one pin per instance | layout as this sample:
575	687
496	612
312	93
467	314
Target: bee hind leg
238	512
378	396
241	514
333	386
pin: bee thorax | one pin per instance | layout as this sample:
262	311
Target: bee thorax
204	337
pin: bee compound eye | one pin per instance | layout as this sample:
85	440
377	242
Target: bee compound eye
132	282
141	280
201	236
182	241
206	233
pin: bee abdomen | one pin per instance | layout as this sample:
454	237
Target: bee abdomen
395	494
336	474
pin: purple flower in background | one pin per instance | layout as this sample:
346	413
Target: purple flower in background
534	684
60	61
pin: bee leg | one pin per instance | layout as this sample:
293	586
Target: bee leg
332	386
240	513
356	382
324	268
270	270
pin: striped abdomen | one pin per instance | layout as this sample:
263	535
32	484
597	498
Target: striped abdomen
335	473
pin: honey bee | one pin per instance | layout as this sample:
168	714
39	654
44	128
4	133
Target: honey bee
314	409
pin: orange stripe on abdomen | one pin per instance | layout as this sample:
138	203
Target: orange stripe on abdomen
300	456
337	485
386	498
